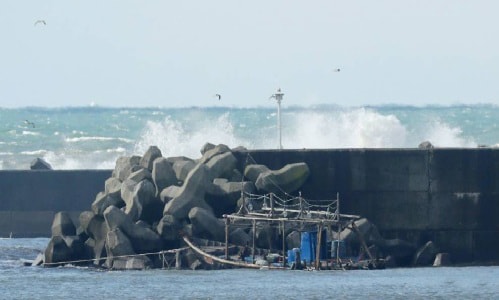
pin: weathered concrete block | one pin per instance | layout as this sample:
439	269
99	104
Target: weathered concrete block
143	239
125	165
182	168
205	224
289	178
117	244
217	150
148	158
238	236
140	201
253	171
399	249
95	227
168	228
206	147
63	225
441	260
425	256
368	230
169	193
112	187
57	251
221	165
75	246
426	145
223	196
266	236
39	260
191	194
140	175
162	174
102	201
40	164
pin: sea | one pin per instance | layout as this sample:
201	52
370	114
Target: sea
94	137
70	282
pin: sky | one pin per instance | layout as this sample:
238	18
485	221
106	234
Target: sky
159	53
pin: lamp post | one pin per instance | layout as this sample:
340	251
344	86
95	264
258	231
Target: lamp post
278	97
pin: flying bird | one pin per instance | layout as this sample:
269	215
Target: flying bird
218	96
40	22
336	70
29	123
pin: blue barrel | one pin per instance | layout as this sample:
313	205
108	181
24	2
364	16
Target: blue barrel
309	245
291	256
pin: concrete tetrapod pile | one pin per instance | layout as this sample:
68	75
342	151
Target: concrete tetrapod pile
149	202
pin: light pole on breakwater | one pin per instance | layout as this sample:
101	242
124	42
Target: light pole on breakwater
278	97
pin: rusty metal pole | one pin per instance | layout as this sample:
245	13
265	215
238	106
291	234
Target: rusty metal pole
254	238
226	238
318	247
271	205
283	245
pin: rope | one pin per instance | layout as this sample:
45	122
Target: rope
116	256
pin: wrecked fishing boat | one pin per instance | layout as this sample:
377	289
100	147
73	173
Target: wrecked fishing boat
315	222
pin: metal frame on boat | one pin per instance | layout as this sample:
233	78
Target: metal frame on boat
294	213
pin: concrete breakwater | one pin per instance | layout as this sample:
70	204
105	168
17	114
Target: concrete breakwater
448	196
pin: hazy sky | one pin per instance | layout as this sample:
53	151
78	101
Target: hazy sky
182	53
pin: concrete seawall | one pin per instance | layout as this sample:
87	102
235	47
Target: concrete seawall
30	199
449	196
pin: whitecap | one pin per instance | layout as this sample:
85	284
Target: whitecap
35	152
174	139
356	128
441	134
96	138
27	132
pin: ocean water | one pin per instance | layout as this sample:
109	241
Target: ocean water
94	137
20	282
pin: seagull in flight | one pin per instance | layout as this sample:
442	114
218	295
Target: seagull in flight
27	122
337	70
218	96
40	22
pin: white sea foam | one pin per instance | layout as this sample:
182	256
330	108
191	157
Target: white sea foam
35	152
116	150
96	138
443	135
111	150
340	128
175	138
27	132
72	161
359	128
